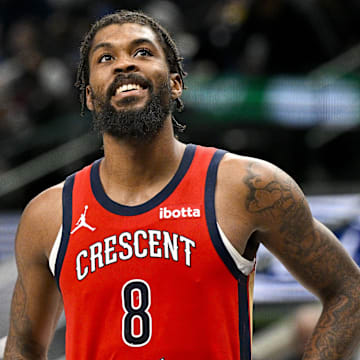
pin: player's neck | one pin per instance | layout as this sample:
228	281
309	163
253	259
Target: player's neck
132	171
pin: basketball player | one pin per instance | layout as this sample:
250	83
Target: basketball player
151	249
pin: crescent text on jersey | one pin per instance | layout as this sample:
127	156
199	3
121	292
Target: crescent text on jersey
82	222
184	212
140	244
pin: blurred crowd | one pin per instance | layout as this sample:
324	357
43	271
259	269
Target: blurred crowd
39	52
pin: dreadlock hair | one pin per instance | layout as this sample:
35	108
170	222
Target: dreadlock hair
122	17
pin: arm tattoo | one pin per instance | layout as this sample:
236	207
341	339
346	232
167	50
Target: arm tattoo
337	330
311	252
19	343
279	201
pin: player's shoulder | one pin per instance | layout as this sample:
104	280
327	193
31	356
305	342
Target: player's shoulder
47	202
242	169
42	218
258	184
252	178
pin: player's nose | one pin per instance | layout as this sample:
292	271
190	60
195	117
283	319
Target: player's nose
125	65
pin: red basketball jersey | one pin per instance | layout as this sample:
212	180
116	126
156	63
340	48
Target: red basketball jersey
152	281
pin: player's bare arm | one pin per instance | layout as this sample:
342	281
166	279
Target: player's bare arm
36	304
311	252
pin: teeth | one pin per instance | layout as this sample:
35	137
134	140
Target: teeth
128	87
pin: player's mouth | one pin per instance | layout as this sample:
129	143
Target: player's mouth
131	89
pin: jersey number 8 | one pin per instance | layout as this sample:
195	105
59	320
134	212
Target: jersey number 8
136	322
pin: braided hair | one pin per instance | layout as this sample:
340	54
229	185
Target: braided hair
122	17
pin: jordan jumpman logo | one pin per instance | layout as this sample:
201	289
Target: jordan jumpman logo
82	222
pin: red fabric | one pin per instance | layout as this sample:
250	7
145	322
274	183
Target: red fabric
193	307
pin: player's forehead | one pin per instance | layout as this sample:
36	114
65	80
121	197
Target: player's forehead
125	34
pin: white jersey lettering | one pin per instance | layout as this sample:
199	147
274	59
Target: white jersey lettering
140	244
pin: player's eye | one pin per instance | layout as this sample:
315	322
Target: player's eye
143	52
105	58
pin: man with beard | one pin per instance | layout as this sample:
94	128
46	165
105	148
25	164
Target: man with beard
143	123
151	249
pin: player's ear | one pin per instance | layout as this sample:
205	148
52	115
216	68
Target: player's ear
176	85
89	101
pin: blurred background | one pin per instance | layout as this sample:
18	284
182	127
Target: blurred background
274	79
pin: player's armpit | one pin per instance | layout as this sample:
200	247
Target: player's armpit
312	254
36	303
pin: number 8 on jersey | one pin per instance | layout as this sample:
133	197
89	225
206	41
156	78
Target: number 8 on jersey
136	322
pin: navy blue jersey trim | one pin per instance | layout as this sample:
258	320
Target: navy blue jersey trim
244	320
124	210
67	219
244	326
211	215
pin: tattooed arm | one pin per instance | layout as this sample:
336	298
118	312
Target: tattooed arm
36	304
311	253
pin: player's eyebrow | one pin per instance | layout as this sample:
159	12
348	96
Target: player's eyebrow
101	45
141	41
135	42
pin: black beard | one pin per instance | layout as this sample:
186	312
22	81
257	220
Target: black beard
142	124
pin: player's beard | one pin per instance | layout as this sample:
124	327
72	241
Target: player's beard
143	123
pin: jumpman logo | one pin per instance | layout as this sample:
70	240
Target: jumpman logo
82	222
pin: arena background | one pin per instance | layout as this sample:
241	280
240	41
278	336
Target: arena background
274	79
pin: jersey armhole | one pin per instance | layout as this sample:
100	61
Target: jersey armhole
54	251
229	255
62	240
244	265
